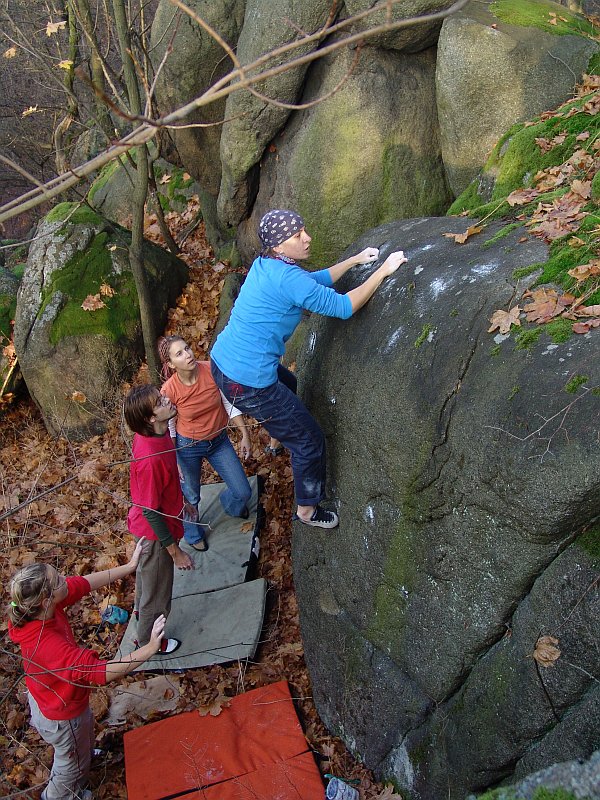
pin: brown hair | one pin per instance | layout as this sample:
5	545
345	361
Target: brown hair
138	407
28	590
164	348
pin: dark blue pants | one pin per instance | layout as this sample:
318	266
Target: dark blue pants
286	418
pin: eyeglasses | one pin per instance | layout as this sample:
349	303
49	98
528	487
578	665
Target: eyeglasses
162	400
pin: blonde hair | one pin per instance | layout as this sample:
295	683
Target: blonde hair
28	590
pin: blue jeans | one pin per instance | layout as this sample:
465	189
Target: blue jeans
287	419
223	458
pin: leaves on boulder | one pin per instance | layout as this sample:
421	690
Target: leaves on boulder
546	304
546	651
461	238
504	320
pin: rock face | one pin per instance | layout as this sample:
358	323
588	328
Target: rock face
491	74
323	168
388	142
466	474
63	349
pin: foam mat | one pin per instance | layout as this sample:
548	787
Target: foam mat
230	540
213	627
253	750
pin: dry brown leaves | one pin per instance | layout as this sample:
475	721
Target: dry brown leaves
504	320
546	651
461	238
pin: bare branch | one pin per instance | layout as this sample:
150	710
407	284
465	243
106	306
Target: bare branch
234	81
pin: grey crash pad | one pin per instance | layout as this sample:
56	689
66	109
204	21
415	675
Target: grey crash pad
213	627
230	541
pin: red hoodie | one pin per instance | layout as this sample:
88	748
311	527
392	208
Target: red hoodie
58	672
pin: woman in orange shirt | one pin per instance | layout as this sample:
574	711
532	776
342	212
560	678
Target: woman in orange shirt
203	415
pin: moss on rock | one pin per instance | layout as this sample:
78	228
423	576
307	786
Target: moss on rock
543	14
82	276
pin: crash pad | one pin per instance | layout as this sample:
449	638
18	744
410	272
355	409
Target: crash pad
231	543
253	750
214	627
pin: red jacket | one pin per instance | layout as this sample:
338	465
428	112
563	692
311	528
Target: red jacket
58	672
154	484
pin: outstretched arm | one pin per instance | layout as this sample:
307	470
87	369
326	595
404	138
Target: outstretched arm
360	295
99	579
365	256
116	669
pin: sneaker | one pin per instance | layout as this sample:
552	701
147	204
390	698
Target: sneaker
321	519
168	646
201	546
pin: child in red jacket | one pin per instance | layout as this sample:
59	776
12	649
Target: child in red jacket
59	673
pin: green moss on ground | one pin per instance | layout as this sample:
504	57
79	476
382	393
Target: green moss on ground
539	13
504	231
423	335
82	276
514	164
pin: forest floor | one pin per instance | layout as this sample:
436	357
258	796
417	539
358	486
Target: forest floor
78	524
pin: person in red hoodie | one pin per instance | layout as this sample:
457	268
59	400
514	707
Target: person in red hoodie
157	507
59	673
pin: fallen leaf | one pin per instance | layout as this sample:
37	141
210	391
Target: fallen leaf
78	397
10	53
186	176
106	290
93	302
546	651
581	137
585	271
575	241
92	471
521	196
461	238
165	179
54	27
65	64
30	110
247	527
585	327
582	188
588	311
503	320
546	304
215	707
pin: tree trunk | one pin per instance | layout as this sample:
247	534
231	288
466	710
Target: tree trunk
136	257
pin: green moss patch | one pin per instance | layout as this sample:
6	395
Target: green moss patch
541	793
539	14
8	308
82	276
74	214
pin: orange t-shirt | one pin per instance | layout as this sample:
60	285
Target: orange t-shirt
200	411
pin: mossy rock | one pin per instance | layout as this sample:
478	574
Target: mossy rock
499	64
110	193
64	348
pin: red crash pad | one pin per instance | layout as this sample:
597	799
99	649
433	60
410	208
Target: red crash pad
253	750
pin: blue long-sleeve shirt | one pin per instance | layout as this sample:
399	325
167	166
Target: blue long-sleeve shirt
266	313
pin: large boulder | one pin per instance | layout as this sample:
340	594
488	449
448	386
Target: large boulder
465	467
252	122
370	153
411	38
110	193
500	63
64	349
195	62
